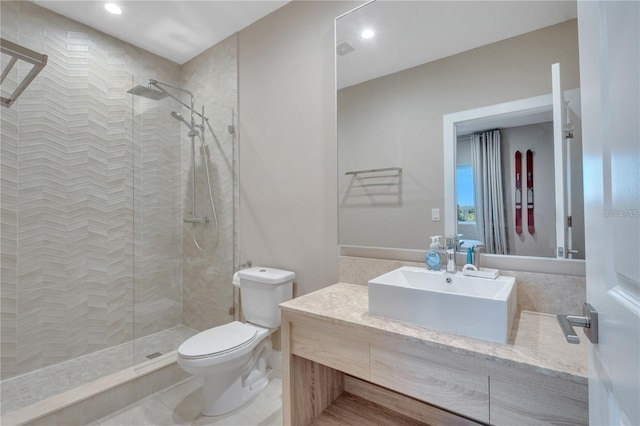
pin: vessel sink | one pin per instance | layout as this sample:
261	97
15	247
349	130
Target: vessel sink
469	306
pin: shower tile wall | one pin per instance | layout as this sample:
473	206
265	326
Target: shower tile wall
68	218
207	289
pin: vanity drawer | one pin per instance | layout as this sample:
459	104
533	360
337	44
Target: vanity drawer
442	378
338	346
525	398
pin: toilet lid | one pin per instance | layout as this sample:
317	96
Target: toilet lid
218	339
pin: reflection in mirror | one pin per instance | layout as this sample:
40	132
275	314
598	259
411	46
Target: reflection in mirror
513	231
395	87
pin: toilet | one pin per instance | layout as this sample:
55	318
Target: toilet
233	357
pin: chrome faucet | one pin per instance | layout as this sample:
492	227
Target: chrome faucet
452	247
451	261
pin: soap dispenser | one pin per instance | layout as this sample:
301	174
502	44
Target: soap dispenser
433	257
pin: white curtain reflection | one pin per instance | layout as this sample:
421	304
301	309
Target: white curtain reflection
490	218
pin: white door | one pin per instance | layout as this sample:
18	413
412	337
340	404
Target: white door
609	36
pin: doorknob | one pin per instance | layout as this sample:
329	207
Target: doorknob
589	321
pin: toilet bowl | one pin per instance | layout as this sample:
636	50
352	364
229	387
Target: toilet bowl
233	358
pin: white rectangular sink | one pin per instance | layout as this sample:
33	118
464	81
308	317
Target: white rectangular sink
469	306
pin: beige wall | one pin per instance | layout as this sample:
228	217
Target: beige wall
288	215
406	129
539	139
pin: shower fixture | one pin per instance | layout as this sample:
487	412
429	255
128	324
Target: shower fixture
147	92
179	117
155	90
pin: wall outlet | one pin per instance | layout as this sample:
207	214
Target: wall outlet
435	215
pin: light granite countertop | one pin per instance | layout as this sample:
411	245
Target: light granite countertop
536	342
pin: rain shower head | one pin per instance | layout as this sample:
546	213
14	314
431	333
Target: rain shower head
155	90
179	117
148	93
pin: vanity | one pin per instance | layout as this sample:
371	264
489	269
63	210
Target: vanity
340	360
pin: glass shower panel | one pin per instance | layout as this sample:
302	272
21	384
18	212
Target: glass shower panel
184	233
157	221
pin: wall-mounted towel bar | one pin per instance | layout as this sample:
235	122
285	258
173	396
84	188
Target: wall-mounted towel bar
20	53
386	169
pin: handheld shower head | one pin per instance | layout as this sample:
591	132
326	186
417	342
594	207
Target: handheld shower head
179	117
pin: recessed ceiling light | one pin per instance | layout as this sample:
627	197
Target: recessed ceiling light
368	33
113	8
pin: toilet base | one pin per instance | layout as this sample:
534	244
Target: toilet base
234	397
223	393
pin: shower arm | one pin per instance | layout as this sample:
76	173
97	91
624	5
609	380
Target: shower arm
158	85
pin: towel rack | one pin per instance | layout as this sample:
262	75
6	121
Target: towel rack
20	53
386	169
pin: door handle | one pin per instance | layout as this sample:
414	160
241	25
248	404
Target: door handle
589	321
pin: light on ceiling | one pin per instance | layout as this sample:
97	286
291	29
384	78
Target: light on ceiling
368	33
113	8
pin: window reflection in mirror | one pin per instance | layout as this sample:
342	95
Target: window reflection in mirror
466	199
538	138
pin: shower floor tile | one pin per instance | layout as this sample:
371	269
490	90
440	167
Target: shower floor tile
180	405
37	385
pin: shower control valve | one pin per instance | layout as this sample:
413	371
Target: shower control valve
197	219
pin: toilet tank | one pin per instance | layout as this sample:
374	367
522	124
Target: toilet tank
262	289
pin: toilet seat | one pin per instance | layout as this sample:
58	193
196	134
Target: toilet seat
218	341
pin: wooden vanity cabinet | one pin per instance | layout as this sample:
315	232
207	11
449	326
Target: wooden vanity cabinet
439	377
317	354
322	358
524	398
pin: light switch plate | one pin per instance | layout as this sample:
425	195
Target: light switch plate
435	215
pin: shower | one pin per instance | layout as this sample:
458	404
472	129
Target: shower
101	280
179	117
155	90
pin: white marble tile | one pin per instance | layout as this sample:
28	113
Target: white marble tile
43	383
180	405
149	411
185	398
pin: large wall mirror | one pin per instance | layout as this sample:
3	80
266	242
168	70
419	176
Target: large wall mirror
402	68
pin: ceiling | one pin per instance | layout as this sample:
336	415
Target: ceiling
410	33
176	30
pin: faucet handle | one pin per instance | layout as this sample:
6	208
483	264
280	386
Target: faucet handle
476	254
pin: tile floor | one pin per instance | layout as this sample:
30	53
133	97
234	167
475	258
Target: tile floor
37	385
180	405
